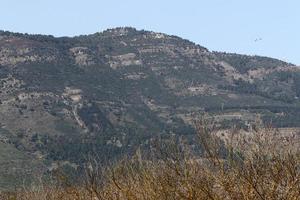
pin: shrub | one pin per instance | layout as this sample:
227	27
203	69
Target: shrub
261	164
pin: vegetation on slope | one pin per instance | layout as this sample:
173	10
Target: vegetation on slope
62	99
260	165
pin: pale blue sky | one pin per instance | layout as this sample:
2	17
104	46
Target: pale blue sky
221	25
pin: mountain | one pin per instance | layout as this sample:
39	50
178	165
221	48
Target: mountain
109	92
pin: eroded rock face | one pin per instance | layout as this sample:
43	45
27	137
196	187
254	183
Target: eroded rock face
231	73
135	76
13	57
15	51
119	31
124	60
82	56
74	94
9	85
162	48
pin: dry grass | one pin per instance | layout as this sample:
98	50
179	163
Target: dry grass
263	165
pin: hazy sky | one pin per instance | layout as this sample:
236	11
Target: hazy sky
222	25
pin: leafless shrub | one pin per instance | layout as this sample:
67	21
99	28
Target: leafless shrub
262	164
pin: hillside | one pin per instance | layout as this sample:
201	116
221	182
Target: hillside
107	93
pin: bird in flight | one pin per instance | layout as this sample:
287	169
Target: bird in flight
257	39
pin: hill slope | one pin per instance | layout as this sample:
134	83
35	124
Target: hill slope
108	92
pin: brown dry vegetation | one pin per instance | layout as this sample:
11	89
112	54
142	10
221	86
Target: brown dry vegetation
263	165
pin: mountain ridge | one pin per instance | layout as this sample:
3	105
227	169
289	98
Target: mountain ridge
34	35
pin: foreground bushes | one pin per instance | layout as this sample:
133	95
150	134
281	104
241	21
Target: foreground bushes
262	165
